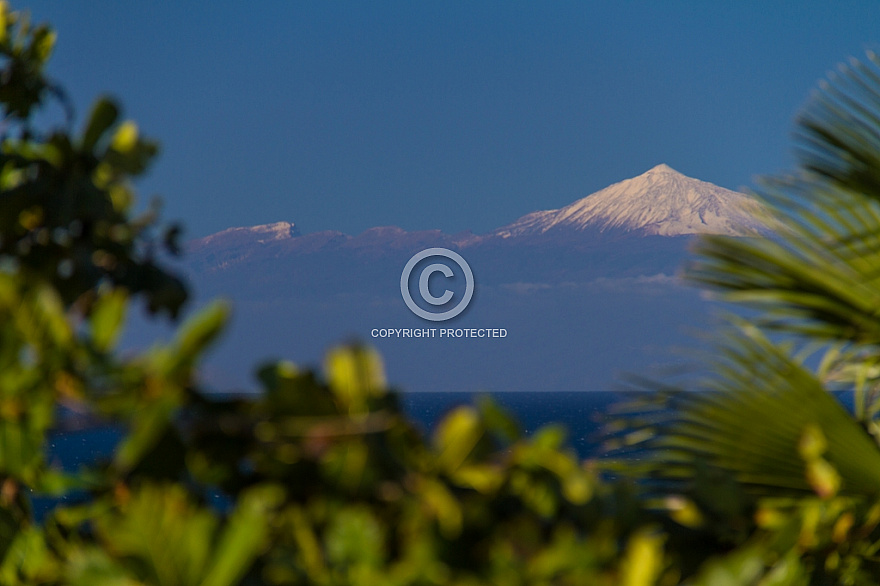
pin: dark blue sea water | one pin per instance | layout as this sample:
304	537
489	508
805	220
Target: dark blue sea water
583	414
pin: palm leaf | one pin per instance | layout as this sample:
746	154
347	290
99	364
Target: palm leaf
838	135
749	419
819	275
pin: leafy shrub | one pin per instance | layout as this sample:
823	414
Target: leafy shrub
321	479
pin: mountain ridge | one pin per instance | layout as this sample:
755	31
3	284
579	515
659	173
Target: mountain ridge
581	301
659	202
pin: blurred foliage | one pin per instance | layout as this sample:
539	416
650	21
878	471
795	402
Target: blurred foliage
321	479
763	448
67	199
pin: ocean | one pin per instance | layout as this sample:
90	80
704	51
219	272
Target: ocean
582	413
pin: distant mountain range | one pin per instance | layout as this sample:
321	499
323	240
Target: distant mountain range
661	202
586	291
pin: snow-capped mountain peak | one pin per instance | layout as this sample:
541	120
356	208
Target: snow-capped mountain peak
660	201
261	234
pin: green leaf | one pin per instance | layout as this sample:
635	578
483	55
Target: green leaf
498	420
244	536
751	419
4	22
149	425
742	567
484	478
643	560
192	339
107	318
91	565
28	560
355	537
456	437
355	374
42	43
104	115
203	328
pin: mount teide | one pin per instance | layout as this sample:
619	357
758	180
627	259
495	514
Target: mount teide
659	202
585	291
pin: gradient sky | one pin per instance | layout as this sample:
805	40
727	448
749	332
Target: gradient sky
449	115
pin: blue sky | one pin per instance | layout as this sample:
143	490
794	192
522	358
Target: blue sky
449	115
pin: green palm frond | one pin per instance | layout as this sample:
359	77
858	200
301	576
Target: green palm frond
819	275
751	419
838	135
763	418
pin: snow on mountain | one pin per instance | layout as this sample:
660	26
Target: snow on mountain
262	233
581	302
660	201
235	245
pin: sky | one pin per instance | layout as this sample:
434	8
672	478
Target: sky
445	115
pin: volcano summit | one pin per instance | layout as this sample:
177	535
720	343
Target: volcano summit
660	201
